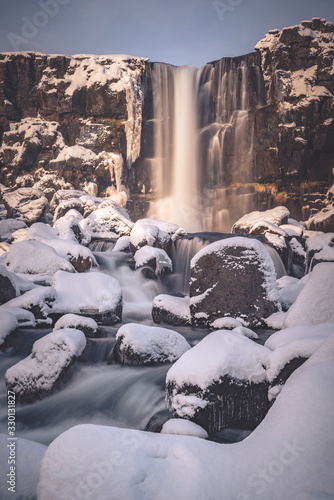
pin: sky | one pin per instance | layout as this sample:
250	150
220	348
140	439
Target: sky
180	32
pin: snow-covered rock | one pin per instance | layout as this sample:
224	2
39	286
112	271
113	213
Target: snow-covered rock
156	258
69	227
315	244
39	301
27	203
326	254
138	344
37	375
39	259
221	382
25	318
226	323
151	232
78	255
183	427
171	310
233	277
276	216
94	294
8	324
87	325
322	221
122	244
276	461
289	289
315	302
8	286
109	217
8	226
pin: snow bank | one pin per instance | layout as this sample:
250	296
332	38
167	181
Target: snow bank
38	259
183	427
140	344
51	355
8	324
29	456
289	453
315	302
91	290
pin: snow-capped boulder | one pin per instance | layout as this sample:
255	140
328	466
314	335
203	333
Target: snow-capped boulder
112	218
315	244
47	366
8	286
289	289
171	310
156	258
122	244
138	344
8	226
66	205
221	382
78	255
226	323
69	228
27	203
276	216
39	301
183	427
8	325
151	232
233	277
24	317
322	221
93	294
35	257
87	325
315	302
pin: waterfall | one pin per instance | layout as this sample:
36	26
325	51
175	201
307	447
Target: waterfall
175	165
203	141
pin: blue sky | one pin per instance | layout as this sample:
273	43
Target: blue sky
179	32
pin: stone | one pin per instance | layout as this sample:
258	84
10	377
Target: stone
27	203
234	277
220	383
8	288
277	216
322	221
48	367
146	345
170	310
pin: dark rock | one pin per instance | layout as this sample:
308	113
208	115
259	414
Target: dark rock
156	422
233	277
8	288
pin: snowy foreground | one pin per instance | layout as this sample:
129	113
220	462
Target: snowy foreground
61	284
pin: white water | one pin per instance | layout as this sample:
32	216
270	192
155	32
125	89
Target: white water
176	152
204	127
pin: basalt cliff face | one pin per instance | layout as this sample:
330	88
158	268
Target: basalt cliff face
90	120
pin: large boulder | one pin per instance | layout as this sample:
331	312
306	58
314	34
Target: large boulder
146	345
27	203
47	366
219	383
92	294
233	277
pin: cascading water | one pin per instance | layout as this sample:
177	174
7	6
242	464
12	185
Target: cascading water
203	141
175	165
